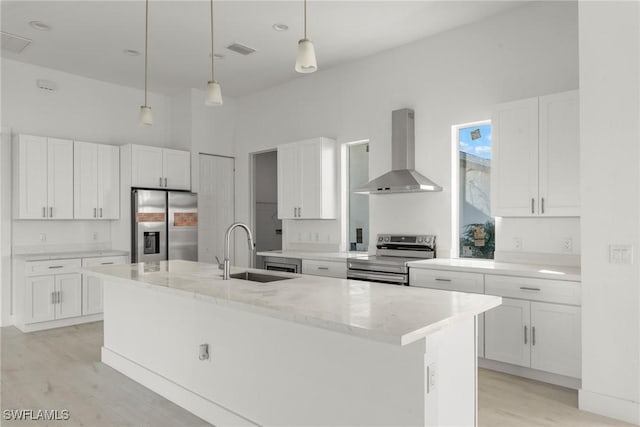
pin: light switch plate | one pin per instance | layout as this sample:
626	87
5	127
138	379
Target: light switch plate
620	254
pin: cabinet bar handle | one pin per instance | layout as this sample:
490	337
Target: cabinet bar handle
295	212
323	268
439	279
51	212
165	181
100	212
53	297
542	205
299	212
525	334
160	183
532	205
44	212
527	288
106	263
55	266
533	335
95	212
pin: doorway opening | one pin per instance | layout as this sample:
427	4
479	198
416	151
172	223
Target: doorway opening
264	204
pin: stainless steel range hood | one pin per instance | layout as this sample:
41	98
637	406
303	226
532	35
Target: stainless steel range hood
403	178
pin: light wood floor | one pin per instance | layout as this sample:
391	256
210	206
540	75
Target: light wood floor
61	369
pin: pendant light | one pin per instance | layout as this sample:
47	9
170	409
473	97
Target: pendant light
306	59
214	93
146	117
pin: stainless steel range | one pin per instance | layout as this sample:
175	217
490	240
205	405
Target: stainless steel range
393	252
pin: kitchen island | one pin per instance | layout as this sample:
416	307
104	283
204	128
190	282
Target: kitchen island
301	351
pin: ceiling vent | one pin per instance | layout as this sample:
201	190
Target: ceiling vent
241	49
13	43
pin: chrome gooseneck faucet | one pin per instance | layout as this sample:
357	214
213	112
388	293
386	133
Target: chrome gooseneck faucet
227	239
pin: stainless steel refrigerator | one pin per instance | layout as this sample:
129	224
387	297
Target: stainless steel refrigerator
164	225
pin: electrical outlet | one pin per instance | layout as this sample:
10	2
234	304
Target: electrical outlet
567	244
517	243
43	237
95	235
620	254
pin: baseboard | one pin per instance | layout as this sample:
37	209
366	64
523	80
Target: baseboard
192	402
41	326
612	407
532	374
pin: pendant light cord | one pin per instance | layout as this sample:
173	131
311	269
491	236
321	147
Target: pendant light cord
305	19
212	55
146	37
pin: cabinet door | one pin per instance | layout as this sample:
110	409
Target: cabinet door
31	190
288	181
559	155
507	332
177	169
91	295
60	178
69	288
85	180
39	305
514	163
108	182
310	159
555	339
146	167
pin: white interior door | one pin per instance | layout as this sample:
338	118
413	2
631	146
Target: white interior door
216	210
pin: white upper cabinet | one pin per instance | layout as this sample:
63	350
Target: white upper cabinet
96	181
307	179
153	167
43	178
536	157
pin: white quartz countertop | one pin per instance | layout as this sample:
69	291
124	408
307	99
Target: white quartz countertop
501	268
66	255
389	313
310	255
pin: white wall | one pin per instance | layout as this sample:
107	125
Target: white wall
610	182
455	77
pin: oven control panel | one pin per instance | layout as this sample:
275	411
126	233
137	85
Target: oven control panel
405	240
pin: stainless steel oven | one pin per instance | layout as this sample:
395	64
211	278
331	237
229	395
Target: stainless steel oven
393	252
288	265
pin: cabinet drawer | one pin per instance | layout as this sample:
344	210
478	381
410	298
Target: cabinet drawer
59	266
325	268
557	291
447	280
105	260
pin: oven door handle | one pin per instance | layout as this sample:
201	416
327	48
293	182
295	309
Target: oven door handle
392	278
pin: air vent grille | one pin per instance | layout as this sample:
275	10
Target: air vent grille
241	48
13	43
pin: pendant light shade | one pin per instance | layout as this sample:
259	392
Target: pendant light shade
146	117
214	92
306	59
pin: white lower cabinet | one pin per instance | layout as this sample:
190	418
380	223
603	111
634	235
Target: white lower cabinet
92	302
536	335
53	297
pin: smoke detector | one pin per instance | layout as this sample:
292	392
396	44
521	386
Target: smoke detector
47	85
241	48
13	43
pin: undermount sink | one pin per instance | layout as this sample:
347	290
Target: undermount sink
257	277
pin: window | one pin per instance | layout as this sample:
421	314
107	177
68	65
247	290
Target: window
476	226
358	175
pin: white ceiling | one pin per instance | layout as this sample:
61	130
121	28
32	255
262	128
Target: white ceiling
88	37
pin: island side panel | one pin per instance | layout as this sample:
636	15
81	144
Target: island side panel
268	370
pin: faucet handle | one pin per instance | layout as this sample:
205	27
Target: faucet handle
220	264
